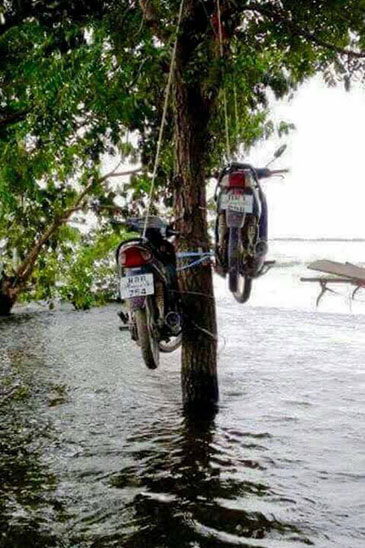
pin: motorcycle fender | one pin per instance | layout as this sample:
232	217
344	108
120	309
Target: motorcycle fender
137	303
235	219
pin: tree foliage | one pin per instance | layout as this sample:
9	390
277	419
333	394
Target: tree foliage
79	80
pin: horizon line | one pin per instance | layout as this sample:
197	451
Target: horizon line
319	239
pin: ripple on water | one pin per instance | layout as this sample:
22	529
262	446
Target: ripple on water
115	463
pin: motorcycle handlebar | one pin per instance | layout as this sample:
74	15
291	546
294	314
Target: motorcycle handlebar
263	173
279	171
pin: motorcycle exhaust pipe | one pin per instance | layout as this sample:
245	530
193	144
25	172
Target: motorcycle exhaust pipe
173	322
261	248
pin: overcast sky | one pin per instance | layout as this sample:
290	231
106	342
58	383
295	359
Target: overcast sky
324	194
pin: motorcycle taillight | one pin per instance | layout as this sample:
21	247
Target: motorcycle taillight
237	179
133	257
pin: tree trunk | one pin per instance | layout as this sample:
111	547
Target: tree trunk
8	295
199	348
11	287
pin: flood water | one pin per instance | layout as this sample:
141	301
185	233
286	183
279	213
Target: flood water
96	451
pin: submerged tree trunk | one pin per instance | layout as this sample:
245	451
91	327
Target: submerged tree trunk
199	349
8	295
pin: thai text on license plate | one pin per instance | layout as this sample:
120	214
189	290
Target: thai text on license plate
136	286
242	203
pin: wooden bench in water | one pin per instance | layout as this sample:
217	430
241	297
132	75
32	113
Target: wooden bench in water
341	273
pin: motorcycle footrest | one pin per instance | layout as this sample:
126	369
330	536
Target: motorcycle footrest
265	268
124	317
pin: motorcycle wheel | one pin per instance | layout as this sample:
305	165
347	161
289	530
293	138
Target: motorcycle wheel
172	345
233	259
243	291
239	284
147	341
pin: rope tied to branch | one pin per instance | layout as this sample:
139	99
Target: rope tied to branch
225	106
163	119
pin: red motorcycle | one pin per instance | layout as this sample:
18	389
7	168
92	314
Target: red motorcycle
148	286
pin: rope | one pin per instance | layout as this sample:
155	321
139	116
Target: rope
212	336
228	147
163	120
235	111
185	254
202	256
194	263
208	17
192	293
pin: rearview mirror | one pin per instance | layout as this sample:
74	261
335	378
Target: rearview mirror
280	151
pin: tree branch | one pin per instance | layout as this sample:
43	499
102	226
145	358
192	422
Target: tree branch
278	17
26	268
120	174
114	208
153	19
13	118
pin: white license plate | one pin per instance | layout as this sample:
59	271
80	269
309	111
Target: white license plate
136	286
242	203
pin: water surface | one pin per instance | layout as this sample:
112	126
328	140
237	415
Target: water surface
96	452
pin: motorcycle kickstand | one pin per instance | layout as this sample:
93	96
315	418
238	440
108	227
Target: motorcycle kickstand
125	319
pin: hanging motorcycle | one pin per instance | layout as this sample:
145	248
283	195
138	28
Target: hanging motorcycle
241	225
148	284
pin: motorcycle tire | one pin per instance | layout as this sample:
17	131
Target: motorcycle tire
240	284
233	259
243	291
172	345
146	339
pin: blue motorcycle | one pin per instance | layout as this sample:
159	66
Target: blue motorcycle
241	225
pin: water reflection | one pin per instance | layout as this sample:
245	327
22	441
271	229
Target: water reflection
28	506
191	493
